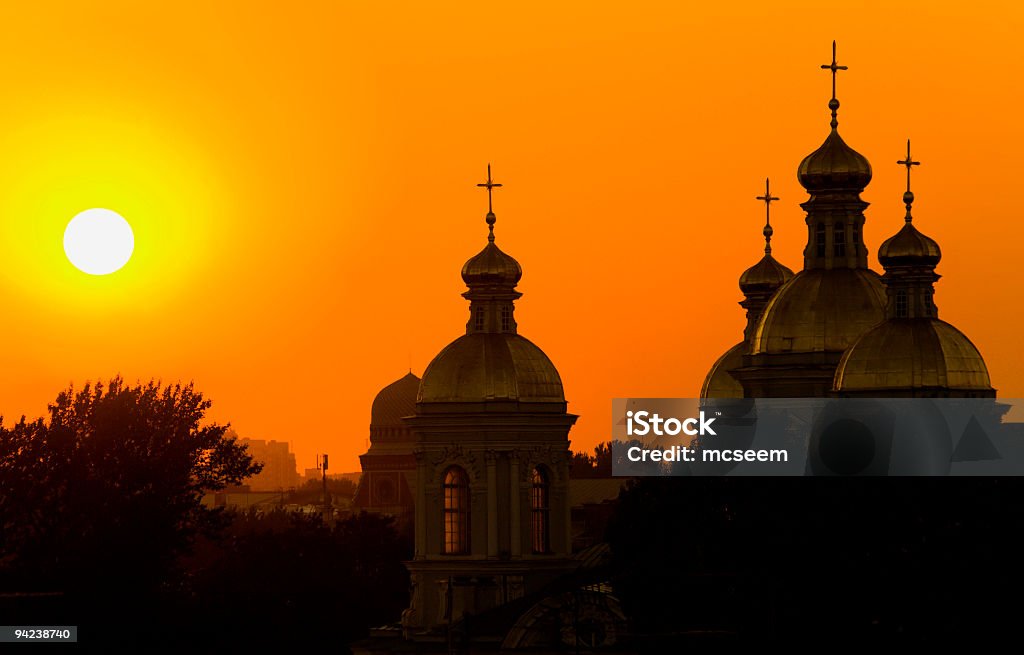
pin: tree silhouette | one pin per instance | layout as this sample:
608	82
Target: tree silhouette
598	465
104	496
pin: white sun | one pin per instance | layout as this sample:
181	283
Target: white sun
99	241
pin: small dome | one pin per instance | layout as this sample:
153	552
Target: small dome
395	401
834	166
765	274
491	266
491	367
914	354
821	310
909	246
719	383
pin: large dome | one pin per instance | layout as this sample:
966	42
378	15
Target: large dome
719	382
491	367
913	354
821	310
395	401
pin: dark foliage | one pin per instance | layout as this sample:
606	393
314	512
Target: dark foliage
598	465
102	526
287	578
106	494
801	558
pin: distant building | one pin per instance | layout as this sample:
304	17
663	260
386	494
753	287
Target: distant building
389	466
279	470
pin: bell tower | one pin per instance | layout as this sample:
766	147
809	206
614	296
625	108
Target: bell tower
491	436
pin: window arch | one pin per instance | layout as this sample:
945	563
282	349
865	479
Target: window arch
456	511
540	510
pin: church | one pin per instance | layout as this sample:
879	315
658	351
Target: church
493	567
478	449
838	328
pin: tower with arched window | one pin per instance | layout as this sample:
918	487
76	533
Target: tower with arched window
491	432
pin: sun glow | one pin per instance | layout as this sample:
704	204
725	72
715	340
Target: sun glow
99	241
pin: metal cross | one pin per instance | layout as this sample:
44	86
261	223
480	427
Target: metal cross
908	162
834	67
489	184
768	198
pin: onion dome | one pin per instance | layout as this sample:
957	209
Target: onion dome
834	166
922	356
491	266
766	273
909	247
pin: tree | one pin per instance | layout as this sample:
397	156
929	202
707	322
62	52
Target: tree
280	579
598	465
106	494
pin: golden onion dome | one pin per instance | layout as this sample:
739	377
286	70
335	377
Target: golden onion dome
821	310
719	382
834	166
490	367
909	246
767	273
491	266
917	354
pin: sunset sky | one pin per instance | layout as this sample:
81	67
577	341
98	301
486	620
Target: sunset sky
301	179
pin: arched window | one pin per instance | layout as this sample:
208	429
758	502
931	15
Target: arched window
540	494
456	512
479	325
839	240
819	239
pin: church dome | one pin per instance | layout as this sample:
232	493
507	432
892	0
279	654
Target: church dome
913	354
394	402
767	273
821	310
719	382
491	266
909	246
491	367
834	166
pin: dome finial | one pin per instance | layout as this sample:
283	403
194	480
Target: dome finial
768	198
833	104
491	219
908	196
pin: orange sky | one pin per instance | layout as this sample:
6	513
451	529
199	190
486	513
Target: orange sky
301	178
